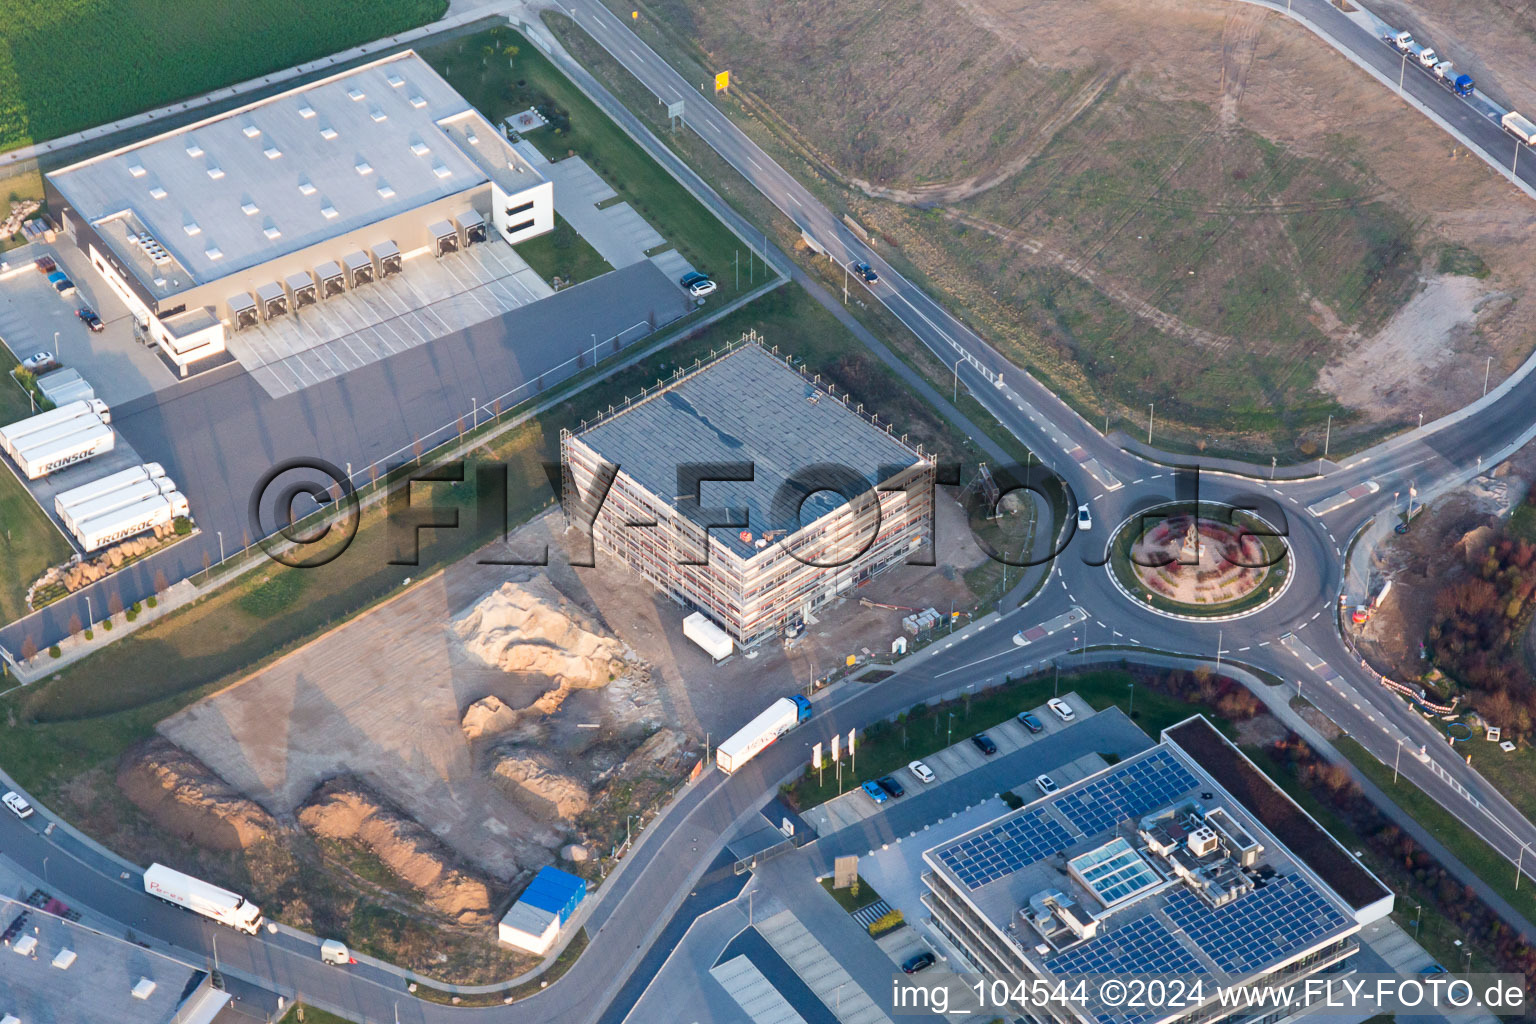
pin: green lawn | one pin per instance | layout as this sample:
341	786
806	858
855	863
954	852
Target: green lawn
310	1015
564	254
68	66
518	77
886	747
29	542
845	897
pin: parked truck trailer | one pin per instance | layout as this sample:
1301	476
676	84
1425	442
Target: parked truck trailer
12	434
95	534
66	500
120	498
203	898
52	450
754	737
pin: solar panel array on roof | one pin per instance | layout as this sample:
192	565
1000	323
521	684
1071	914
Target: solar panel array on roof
1127	792
1142	946
1005	848
1259	929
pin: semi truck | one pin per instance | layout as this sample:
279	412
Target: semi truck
1519	127
95	534
49	450
203	898
754	737
14	436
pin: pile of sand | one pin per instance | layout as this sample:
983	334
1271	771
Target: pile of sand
536	781
531	629
342	809
488	716
185	797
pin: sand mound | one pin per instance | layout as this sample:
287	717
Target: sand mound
488	716
534	779
343	810
183	795
531	629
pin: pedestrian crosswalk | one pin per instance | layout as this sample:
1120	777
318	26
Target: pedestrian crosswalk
867	916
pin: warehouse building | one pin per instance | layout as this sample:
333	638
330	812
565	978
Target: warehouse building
832	497
285	202
1153	868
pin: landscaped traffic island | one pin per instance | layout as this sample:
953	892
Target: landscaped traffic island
1207	561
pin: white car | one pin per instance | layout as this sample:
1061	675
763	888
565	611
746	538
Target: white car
1020	640
1061	709
1084	519
37	361
18	804
699	289
1046	785
921	772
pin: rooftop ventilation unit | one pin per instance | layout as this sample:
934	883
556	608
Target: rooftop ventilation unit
213	252
157	193
250	209
215	172
153	249
418	102
301	288
144	989
328	212
272	232
193	149
1203	841
331	278
242	311
355	94
378	115
306	111
250	131
65	959
359	268
390	260
328	133
306	187
474	140
191	228
420	148
442	171
136	169
364	167
272	152
394	80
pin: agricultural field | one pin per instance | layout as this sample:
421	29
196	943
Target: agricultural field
1192	205
70	65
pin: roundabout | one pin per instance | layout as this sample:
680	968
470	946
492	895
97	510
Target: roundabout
1205	562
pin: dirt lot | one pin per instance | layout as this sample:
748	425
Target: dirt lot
1196	204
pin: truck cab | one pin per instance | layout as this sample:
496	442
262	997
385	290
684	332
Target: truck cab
802	708
1403	41
1463	85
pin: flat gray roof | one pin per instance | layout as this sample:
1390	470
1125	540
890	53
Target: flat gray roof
287	172
747	406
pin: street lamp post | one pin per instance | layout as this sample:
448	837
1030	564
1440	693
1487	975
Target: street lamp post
1403	71
1132	711
1398	760
954	398
1518	862
1150	406
1487	372
221	544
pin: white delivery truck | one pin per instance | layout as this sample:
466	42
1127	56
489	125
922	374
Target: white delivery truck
749	741
1519	127
95	534
89	437
203	898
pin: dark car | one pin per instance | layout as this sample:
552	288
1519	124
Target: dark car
88	317
1030	722
921	962
692	277
866	271
891	786
984	743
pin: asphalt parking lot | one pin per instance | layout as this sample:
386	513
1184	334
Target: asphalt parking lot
218	433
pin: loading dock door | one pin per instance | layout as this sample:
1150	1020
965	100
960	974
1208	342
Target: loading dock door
471	227
390	260
332	281
359	268
445	238
272	299
242	311
302	287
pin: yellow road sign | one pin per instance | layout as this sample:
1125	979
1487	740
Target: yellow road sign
722	81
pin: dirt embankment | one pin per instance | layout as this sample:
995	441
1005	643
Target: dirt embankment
536	780
187	798
343	810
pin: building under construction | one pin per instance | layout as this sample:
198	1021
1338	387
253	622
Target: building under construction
819	496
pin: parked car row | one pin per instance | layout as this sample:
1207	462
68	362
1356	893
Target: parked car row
698	285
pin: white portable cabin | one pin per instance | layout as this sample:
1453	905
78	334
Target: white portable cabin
715	641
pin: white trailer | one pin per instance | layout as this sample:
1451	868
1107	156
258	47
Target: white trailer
66	500
749	741
716	642
122	497
95	534
1519	127
90	437
203	898
11	434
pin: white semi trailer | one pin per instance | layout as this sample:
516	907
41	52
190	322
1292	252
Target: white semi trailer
203	898
12	433
53	450
66	500
749	741
120	498
95	534
1520	127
